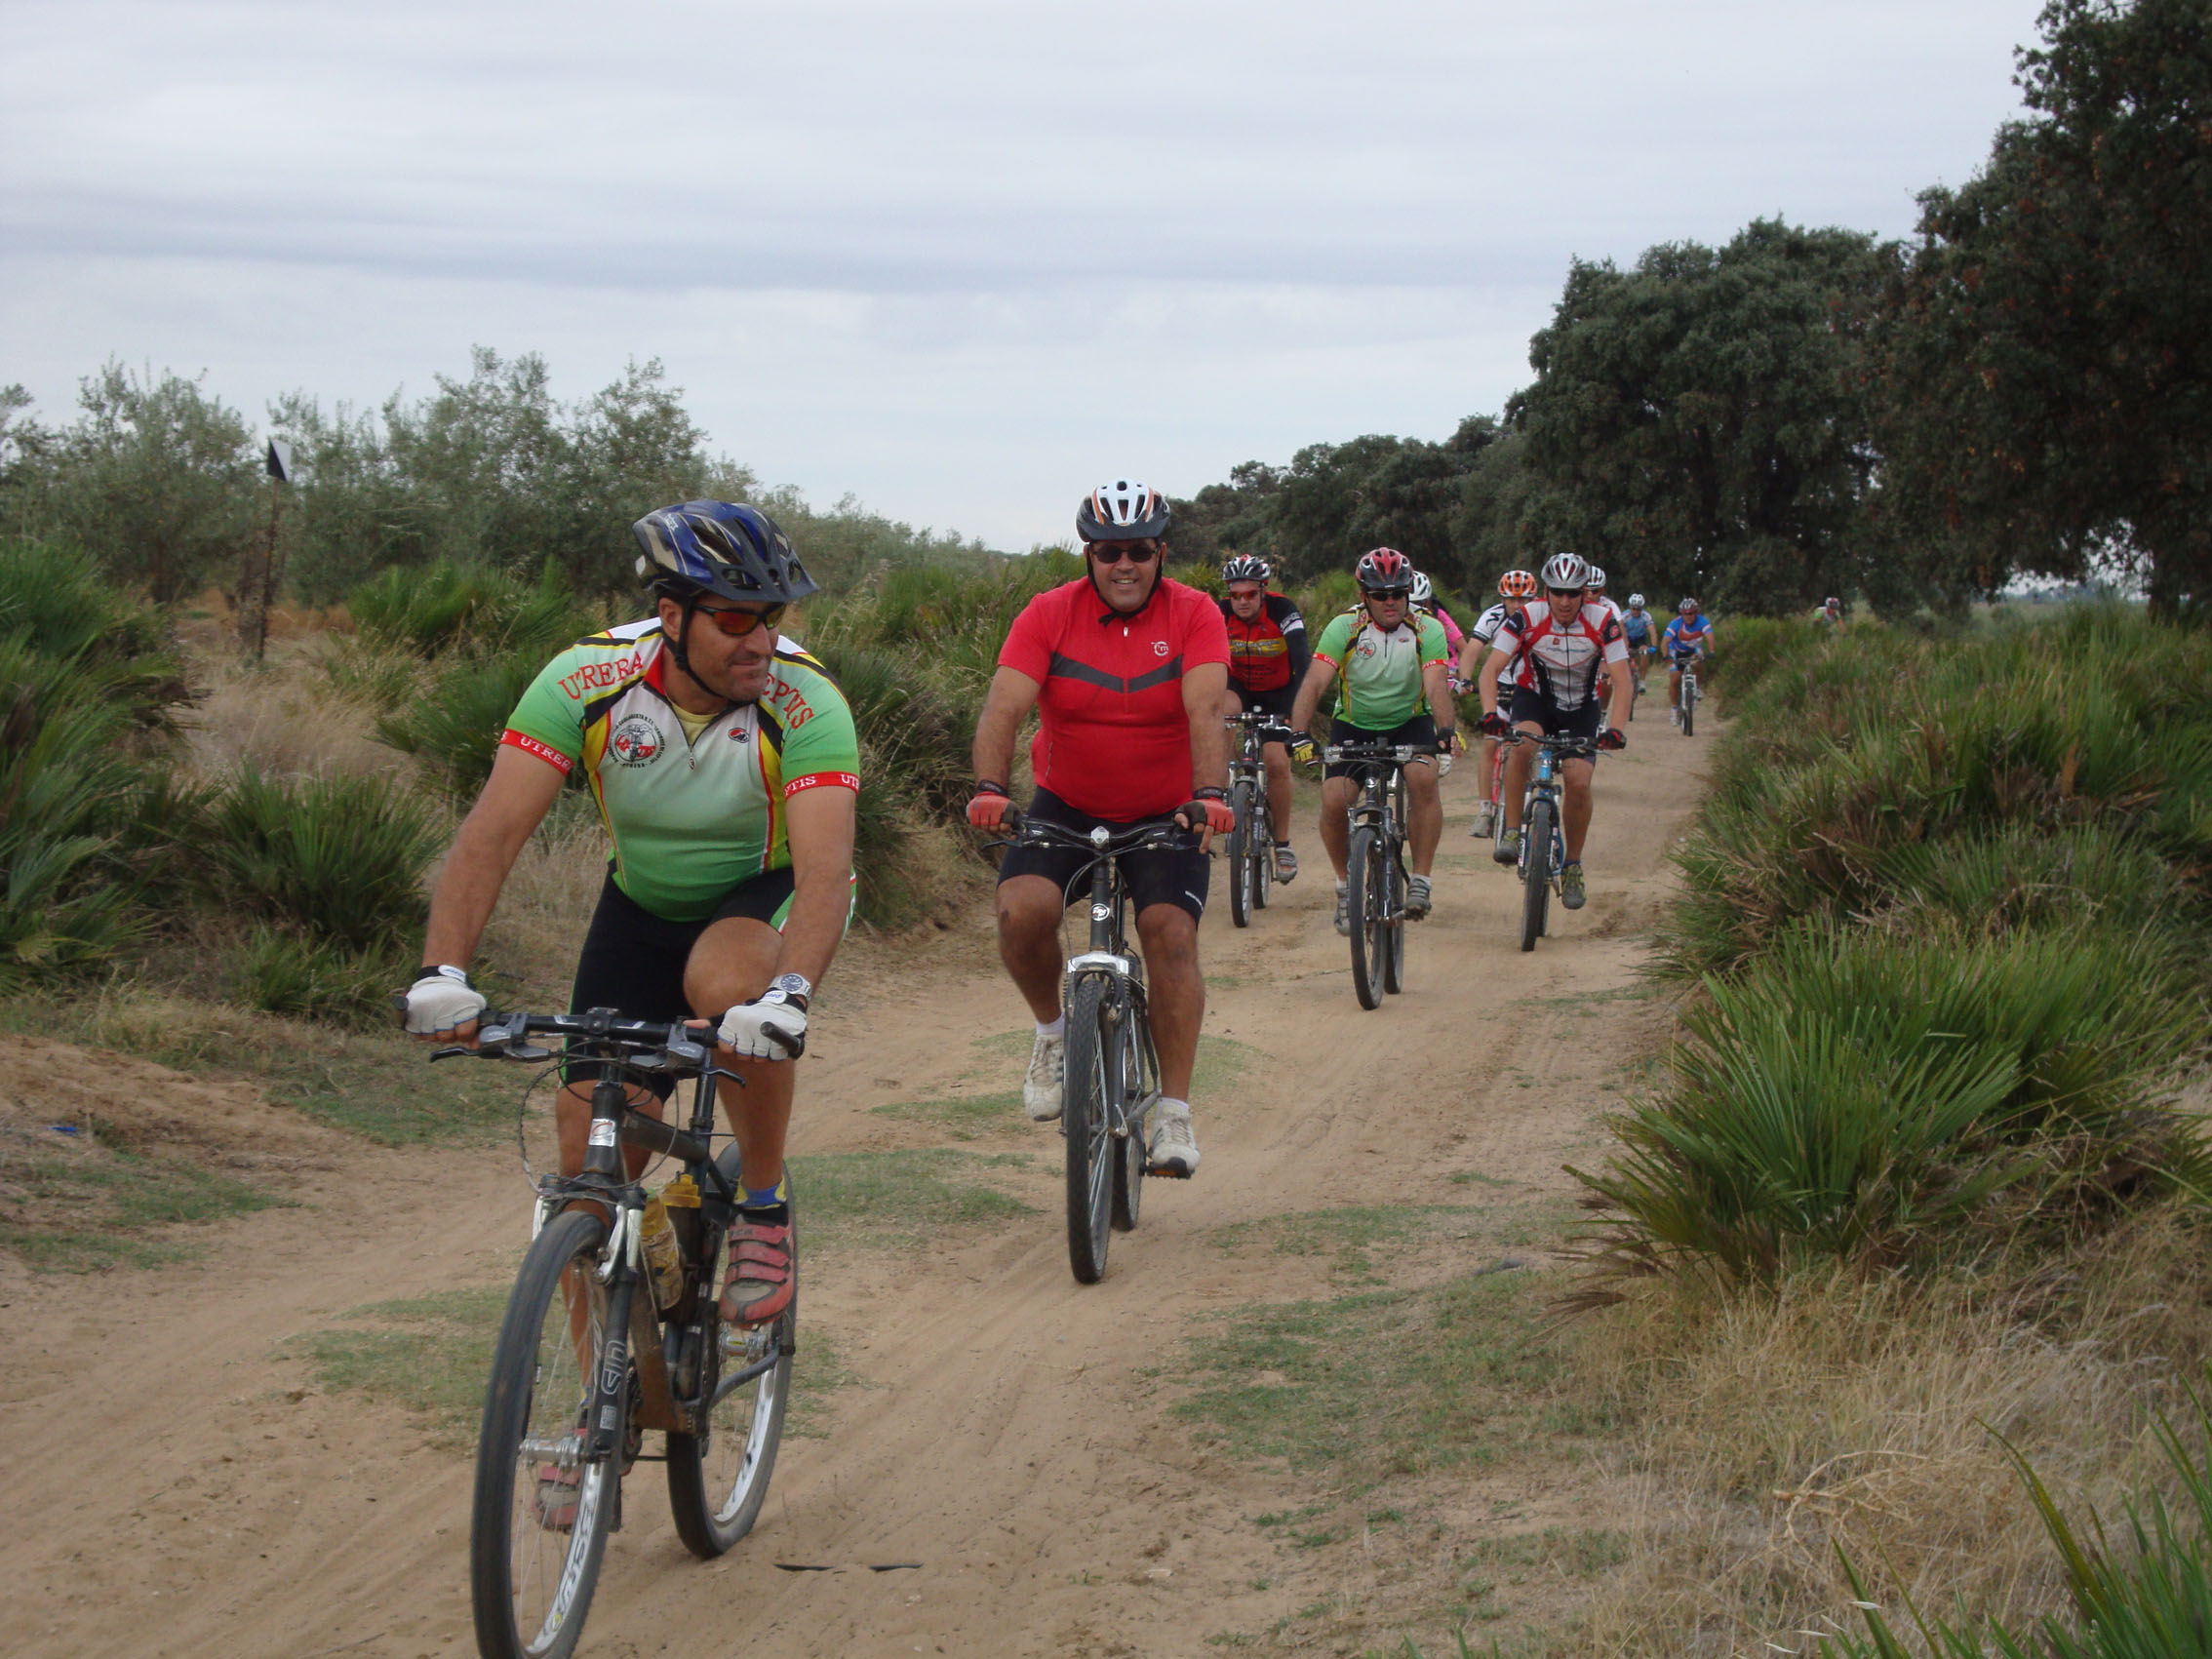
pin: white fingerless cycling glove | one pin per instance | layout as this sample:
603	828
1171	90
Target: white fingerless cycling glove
774	1028
441	1002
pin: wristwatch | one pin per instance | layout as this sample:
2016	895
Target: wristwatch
795	989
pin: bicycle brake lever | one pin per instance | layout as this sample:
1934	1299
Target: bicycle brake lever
528	1051
456	1050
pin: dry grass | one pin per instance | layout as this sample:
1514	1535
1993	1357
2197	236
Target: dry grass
1860	1415
284	718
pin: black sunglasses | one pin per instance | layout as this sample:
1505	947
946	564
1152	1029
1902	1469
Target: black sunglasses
1114	552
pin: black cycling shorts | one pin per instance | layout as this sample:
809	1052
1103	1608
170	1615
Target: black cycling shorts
1530	704
1275	705
1162	877
1421	728
633	961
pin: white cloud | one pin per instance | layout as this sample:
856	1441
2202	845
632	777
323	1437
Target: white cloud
953	258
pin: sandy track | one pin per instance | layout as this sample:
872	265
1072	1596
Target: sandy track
175	1487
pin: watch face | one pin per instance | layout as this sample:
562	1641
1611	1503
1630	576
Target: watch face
793	985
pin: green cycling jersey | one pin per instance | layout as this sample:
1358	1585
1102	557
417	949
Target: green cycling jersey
1379	674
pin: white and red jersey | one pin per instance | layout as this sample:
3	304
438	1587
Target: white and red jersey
1561	660
1597	602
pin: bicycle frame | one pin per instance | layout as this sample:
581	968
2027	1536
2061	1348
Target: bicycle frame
624	1052
1544	785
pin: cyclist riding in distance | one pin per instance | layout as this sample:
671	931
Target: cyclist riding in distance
1689	635
1127	671
1396	690
1556	652
1516	588
1425	601
1636	627
1268	654
1831	612
726	766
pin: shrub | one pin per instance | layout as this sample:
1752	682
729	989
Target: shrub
283	971
1879	1103
433	609
340	858
452	726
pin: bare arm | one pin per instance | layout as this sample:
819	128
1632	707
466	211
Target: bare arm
1436	684
1012	694
1486	683
515	800
1204	689
821	824
1308	701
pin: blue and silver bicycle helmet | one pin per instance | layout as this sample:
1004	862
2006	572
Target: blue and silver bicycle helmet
720	548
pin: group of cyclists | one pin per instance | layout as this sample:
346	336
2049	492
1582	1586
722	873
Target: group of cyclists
725	765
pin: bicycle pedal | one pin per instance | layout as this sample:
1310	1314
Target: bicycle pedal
1166	1171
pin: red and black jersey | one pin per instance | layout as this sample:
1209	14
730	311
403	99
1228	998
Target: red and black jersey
1113	736
1271	651
1560	660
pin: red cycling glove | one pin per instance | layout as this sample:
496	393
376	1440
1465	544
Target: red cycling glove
987	807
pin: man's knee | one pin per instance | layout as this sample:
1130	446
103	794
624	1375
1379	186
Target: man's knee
1168	934
731	963
1028	907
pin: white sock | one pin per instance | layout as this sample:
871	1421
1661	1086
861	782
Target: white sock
1170	1106
1059	1027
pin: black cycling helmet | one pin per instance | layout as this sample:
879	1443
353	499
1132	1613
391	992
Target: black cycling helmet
1123	511
723	548
1245	567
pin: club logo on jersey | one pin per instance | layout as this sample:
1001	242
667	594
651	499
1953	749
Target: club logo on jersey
636	742
1159	648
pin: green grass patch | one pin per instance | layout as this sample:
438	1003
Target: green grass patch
1572	1551
430	1354
966	1117
1378	1383
893	1199
1347	1236
78	1206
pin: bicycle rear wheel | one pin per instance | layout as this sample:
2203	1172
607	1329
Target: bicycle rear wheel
1263	845
1137	1085
1241	857
717	1479
1535	873
537	1530
1367	898
1393	931
1085	1121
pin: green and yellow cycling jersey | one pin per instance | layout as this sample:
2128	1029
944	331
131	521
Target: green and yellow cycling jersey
691	816
1378	673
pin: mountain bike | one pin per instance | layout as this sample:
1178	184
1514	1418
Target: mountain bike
1375	864
1687	660
1543	840
1112	1069
606	1336
1252	844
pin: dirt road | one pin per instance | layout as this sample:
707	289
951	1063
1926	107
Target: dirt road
177	1485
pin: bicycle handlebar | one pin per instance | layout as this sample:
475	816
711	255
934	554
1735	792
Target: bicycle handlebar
1353	753
682	1049
1150	835
1567	746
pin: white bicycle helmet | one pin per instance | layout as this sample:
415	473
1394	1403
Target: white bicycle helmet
1596	575
1123	511
1566	573
1424	590
1635	601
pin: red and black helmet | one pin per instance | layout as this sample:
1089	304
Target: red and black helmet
1385	571
1123	511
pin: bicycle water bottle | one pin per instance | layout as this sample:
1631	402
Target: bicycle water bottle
665	1262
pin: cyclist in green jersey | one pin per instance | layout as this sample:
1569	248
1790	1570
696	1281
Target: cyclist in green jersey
1395	662
725	763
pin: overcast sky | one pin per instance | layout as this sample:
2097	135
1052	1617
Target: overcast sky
961	259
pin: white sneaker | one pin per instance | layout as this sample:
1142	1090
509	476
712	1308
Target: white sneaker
1485	811
1174	1148
1674	717
1042	1091
1344	908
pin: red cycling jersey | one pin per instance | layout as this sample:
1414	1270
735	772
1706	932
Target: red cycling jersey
1113	739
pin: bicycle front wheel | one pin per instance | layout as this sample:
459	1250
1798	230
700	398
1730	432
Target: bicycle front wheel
1367	901
1263	845
1689	705
1128	1152
543	1511
1241	857
717	1479
1535	873
1086	1122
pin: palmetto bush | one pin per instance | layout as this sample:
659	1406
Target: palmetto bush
1880	1102
1857	758
338	859
432	609
452	726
